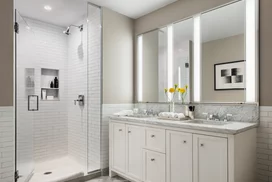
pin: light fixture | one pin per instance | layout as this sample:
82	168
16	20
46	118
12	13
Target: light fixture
251	50
140	67
170	55
197	59
47	8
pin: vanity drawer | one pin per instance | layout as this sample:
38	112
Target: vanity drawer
154	166
155	139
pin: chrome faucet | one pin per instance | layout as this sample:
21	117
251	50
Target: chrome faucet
227	117
212	117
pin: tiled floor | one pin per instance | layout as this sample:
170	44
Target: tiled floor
108	179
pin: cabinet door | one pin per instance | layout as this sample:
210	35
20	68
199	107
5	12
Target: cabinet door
118	147
210	159
179	156
154	166
135	144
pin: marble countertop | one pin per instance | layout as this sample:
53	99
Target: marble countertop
229	128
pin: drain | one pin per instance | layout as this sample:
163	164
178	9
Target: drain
47	173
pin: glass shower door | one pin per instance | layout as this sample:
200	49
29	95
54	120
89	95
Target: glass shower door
25	98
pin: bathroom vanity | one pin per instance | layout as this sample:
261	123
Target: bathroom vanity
156	150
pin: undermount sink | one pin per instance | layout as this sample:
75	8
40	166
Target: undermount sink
140	116
200	121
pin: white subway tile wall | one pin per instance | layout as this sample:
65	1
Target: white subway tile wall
108	110
264	145
49	50
77	85
7	150
94	87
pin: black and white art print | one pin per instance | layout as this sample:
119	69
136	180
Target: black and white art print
229	76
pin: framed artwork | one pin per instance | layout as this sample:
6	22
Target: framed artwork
229	76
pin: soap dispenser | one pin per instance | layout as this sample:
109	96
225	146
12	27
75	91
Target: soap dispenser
56	83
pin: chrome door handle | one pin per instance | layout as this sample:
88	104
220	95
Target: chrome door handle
30	105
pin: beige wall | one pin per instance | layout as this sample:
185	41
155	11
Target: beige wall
174	12
219	51
150	66
6	53
117	58
265	53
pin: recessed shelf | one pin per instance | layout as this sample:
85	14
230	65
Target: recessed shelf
48	77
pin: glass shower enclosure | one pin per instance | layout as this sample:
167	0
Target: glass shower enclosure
58	97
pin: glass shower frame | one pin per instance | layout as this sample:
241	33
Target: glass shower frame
92	123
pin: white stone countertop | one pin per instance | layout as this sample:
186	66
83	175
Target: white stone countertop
229	128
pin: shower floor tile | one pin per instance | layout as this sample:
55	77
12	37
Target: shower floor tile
58	170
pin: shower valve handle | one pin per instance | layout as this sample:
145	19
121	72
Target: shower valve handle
80	100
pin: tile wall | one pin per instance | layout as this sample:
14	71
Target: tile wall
7	150
264	145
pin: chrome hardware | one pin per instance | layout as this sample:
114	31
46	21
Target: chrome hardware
129	131
152	136
33	103
120	130
152	159
227	117
184	141
214	117
80	100
202	145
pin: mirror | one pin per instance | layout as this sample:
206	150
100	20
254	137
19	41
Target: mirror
166	56
223	54
214	53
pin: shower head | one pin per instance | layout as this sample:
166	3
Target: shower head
80	28
67	31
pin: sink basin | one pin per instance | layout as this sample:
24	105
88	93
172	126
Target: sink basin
200	121
140	116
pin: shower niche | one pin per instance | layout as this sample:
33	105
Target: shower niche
49	84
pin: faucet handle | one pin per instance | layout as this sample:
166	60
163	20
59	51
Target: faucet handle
227	117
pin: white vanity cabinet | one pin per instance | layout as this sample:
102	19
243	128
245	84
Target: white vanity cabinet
135	143
210	159
156	153
119	146
179	156
154	166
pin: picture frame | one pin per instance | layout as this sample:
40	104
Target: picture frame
229	75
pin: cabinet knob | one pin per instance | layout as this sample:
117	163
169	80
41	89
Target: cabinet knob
202	145
129	131
120	130
152	159
184	141
152	136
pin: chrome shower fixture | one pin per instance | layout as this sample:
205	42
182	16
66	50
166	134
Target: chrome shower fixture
67	31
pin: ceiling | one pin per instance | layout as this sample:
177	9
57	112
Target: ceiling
66	12
133	8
